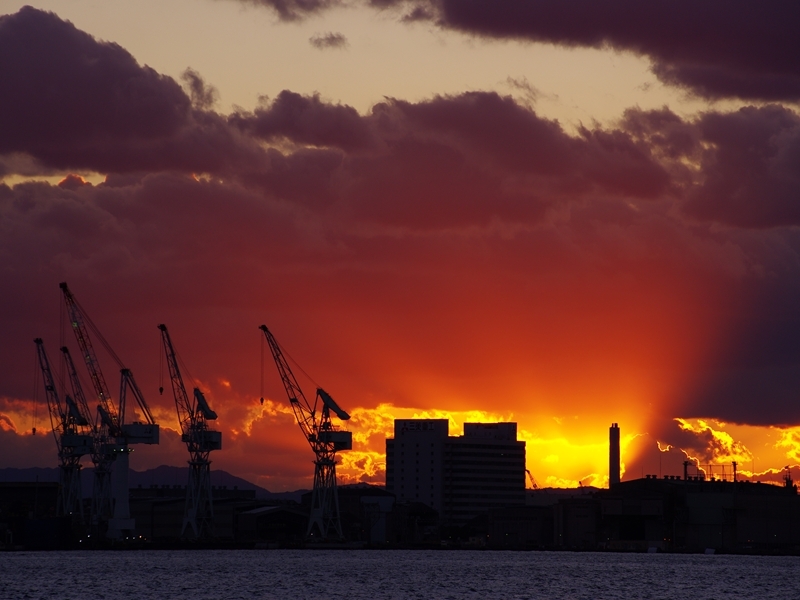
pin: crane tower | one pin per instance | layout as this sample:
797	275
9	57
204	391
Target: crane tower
193	416
102	468
112	434
72	431
325	440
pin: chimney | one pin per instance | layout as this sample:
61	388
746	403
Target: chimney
613	455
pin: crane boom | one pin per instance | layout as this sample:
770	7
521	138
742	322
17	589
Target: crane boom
78	322
182	404
304	411
54	407
75	384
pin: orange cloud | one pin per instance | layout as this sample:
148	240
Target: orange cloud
6	424
789	441
721	446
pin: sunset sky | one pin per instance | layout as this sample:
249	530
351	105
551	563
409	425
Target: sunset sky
564	214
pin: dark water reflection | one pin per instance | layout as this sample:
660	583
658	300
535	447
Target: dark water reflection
398	574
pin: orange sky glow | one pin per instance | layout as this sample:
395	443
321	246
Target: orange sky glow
441	217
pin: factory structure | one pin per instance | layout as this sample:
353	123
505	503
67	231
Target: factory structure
442	490
688	512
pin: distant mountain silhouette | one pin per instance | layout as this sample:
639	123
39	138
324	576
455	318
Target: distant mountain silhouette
163	475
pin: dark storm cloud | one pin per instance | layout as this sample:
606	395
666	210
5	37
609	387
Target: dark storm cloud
751	168
493	157
452	159
716	48
306	120
462	159
306	176
426	185
739	168
296	10
72	102
328	40
458	159
59	83
754	377
203	95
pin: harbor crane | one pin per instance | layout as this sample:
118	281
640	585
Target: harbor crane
111	431
325	440
72	432
193	416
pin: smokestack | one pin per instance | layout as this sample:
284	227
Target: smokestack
613	455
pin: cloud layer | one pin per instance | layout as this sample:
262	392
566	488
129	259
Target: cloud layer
457	253
714	49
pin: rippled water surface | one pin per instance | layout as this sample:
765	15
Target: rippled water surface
366	574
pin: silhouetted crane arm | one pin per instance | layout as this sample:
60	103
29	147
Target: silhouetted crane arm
186	411
78	397
78	321
110	415
304	412
58	417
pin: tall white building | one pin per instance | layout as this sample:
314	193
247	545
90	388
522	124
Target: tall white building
459	476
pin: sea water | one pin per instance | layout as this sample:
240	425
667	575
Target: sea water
368	574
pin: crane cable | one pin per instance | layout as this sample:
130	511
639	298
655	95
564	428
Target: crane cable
99	335
185	370
84	383
262	369
35	391
161	351
287	355
182	365
296	364
62	364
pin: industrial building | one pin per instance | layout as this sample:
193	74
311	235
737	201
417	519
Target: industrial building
674	513
670	514
458	476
